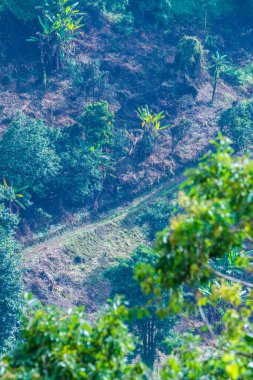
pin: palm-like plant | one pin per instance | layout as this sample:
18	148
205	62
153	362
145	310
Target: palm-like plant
59	23
17	194
219	64
151	120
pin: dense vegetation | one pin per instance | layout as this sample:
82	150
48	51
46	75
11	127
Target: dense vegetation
79	140
10	271
184	255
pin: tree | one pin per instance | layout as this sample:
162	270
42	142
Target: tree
64	345
10	273
28	155
150	330
218	218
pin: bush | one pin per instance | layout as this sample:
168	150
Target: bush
155	216
189	57
28	155
87	76
240	76
121	22
96	124
152	217
65	345
237	124
158	11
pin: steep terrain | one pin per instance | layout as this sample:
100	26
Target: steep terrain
66	269
140	71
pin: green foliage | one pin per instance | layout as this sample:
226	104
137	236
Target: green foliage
122	22
97	123
28	155
240	76
201	12
218	216
150	330
10	272
64	345
219	199
150	120
81	177
219	65
59	23
87	76
237	124
151	124
154	217
154	10
189	57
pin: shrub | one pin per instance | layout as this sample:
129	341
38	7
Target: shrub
28	155
150	330
237	124
152	10
122	22
154	216
96	124
65	345
87	76
189	56
240	76
81	177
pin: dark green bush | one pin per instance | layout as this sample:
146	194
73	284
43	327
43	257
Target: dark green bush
96	124
237	124
28	155
80	179
152	217
190	56
150	330
87	76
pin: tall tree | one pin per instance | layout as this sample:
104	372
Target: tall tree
151	331
10	272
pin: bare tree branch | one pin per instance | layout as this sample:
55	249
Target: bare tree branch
229	278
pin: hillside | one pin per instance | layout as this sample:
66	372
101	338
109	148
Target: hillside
140	71
66	270
126	189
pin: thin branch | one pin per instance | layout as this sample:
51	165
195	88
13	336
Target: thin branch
229	278
205	320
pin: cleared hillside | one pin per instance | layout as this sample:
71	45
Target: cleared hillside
66	269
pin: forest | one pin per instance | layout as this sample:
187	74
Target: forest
126	189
